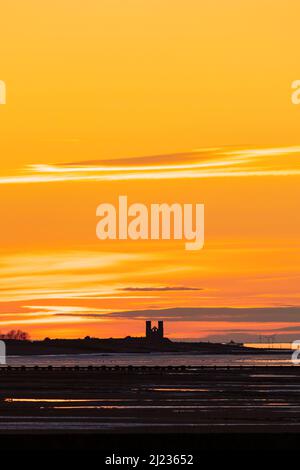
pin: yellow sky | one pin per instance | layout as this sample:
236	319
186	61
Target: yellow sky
192	102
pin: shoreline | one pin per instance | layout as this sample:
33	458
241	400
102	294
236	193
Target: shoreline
143	368
129	345
195	352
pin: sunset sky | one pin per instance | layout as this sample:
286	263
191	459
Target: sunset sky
162	101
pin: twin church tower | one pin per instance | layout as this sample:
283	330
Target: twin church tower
154	333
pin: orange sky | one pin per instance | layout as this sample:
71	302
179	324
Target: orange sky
164	102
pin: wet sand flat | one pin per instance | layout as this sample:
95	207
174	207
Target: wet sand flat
130	400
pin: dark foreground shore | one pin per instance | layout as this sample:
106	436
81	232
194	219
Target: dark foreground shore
150	400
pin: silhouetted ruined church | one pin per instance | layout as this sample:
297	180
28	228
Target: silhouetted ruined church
155	333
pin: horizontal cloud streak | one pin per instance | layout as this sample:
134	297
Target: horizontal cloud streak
205	163
211	314
159	289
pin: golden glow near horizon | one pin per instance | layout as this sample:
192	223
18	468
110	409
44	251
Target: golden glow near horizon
186	102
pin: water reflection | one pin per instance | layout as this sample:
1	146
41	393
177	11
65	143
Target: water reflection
179	389
151	359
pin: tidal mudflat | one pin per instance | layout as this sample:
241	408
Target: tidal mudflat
178	399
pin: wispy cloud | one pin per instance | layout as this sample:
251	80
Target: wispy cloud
202	163
160	289
67	274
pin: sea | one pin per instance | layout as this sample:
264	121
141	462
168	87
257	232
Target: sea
152	359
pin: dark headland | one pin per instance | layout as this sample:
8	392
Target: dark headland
154	341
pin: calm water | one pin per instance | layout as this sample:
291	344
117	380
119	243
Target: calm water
153	359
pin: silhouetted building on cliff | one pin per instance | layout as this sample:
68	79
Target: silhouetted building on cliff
154	333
